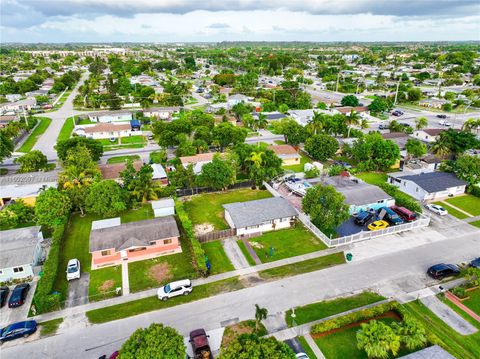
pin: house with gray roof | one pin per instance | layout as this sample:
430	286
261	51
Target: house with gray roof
433	352
21	250
260	216
112	242
428	186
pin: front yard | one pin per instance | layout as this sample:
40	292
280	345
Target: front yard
103	283
298	168
468	203
121	159
218	259
42	126
275	245
207	208
452	211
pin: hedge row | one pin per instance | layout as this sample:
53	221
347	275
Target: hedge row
195	246
363	314
401	199
44	299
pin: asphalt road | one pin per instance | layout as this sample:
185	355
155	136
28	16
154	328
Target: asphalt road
392	274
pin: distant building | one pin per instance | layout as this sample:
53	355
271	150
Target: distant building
428	135
105	130
433	103
162	113
236	99
110	116
197	161
112	170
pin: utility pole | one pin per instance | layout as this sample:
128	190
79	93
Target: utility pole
24	115
396	92
338	79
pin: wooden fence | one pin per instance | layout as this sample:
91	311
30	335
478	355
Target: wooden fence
213	236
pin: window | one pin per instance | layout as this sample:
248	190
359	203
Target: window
17	269
416	189
167	241
106	253
137	249
152	243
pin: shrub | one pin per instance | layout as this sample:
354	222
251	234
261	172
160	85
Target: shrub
474	190
195	246
312	172
44	300
459	292
401	199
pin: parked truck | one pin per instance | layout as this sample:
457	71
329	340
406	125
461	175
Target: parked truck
200	346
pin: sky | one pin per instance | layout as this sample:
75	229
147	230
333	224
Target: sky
161	21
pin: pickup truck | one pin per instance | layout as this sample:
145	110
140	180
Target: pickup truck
200	346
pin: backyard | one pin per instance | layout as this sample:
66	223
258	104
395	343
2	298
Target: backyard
41	127
298	168
207	208
275	245
218	259
375	178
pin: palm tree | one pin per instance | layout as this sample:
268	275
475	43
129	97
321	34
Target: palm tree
440	147
378	340
261	121
471	124
420	123
317	122
411	333
352	119
260	314
364	124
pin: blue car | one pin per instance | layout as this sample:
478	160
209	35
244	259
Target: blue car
391	216
17	330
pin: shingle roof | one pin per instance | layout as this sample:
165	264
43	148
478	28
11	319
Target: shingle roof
108	127
18	246
112	171
139	233
433	352
434	181
252	213
283	149
357	193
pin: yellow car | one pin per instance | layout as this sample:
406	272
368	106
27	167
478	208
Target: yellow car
377	225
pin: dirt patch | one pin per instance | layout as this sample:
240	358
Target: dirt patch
203	228
251	280
160	272
106	286
391	314
234	330
256	245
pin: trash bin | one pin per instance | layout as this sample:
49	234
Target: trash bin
349	256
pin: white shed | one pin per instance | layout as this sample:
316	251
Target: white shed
163	207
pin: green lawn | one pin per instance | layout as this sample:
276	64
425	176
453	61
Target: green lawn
108	142
452	210
460	346
3	171
149	304
463	314
476	223
474	302
153	273
343	344
85	121
42	126
133	215
207	208
132	139
120	159
306	348
468	203
49	327
324	309
309	265
245	253
219	260
298	168
67	129
285	243
122	147
103	282
374	178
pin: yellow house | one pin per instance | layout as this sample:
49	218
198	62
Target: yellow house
25	186
287	153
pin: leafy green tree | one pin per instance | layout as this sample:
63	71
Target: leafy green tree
414	94
412	333
350	100
95	147
471	125
183	177
415	148
321	147
218	174
321	105
372	152
262	164
283	108
261	121
226	134
240	110
466	167
6	146
248	346
52	207
32	162
317	123
15	214
105	198
292	131
379	105
326	207
447	107
420	123
260	314
142	187
156	341
455	142
378	340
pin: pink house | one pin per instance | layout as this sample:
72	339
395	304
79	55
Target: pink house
113	243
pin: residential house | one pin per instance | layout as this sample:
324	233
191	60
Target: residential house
26	186
347	110
12	97
159	174
428	135
19	106
22	250
163	207
271	116
287	153
433	103
162	113
303	117
428	186
6	119
112	171
400	138
197	161
113	243
105	130
110	116
260	215
236	99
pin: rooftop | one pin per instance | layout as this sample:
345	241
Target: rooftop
18	246
108	127
356	192
431	181
112	171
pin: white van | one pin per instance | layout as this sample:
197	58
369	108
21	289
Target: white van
181	287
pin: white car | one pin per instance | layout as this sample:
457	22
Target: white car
435	208
444	123
301	356
73	269
181	287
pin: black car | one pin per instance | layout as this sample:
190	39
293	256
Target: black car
18	296
362	218
382	127
442	116
442	270
17	330
3	295
342	164
475	263
404	124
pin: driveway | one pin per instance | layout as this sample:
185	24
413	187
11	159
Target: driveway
12	315
295	345
78	291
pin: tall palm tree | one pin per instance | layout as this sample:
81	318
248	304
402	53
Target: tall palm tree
420	123
378	340
260	314
471	124
352	119
440	147
364	124
261	121
317	122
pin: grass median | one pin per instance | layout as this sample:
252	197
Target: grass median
149	304
309	265
67	129
50	327
42	126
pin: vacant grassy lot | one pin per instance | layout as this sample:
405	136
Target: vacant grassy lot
298	168
374	178
42	126
207	208
153	273
309	265
121	159
132	139
218	259
468	203
452	211
324	309
49	327
286	243
67	129
144	305
103	283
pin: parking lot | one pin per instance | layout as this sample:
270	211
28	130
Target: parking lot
12	315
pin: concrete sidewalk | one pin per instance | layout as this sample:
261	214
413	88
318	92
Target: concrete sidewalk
234	253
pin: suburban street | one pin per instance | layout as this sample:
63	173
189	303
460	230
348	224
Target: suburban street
392	273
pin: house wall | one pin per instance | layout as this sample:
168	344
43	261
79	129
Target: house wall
388	202
111	118
290	161
105	135
7	274
277	224
423	136
161	212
